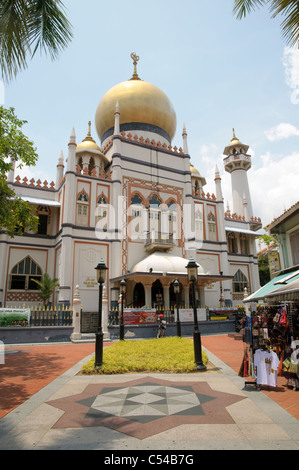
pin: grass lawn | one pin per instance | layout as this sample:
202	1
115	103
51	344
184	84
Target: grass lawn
170	355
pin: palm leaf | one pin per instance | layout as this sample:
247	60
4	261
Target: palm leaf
27	24
14	42
49	28
289	9
244	7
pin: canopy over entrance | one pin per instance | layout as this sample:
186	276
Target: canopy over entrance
165	265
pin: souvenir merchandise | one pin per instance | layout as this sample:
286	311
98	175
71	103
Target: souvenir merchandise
266	363
271	336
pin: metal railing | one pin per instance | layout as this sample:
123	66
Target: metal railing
55	316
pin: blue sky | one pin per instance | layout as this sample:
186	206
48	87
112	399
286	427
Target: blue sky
218	72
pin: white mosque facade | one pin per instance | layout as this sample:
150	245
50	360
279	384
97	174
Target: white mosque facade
137	202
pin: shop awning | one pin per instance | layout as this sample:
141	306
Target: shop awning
40	202
282	279
287	292
242	230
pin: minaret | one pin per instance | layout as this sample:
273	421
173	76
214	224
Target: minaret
69	208
60	168
185	142
237	162
225	286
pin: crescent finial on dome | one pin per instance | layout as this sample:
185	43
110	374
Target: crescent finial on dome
135	58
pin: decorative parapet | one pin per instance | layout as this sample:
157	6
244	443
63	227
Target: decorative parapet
203	195
35	184
151	143
94	172
241	218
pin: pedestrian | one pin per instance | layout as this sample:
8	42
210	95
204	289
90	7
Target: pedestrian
161	326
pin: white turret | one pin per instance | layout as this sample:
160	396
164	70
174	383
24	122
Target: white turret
60	168
185	142
237	163
71	159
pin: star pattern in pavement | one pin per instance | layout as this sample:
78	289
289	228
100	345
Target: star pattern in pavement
145	407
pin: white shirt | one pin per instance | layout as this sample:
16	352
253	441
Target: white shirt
266	363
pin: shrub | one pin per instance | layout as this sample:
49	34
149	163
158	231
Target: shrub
170	355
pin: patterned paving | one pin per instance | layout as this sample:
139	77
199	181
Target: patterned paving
144	407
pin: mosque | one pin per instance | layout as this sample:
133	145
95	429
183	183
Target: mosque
136	201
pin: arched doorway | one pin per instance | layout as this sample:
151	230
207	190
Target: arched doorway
157	294
139	295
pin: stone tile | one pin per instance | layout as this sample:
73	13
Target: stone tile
248	413
264	432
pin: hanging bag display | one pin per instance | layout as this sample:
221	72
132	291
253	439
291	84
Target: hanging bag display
290	366
276	318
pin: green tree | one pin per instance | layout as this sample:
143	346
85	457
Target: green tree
15	148
268	239
46	287
27	26
288	9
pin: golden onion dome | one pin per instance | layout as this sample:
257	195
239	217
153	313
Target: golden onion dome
142	106
194	171
233	143
89	142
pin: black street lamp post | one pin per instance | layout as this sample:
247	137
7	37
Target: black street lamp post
121	325
176	289
192	275
101	278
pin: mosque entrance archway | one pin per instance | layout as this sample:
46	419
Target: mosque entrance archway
157	293
139	295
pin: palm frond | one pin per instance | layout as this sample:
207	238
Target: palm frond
289	9
244	7
14	43
27	24
49	29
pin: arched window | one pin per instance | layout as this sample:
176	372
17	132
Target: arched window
240	281
232	243
91	165
23	275
198	224
101	207
137	222
212	227
170	227
43	213
244	244
136	200
82	209
154	217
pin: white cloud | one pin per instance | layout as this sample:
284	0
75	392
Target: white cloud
32	172
281	131
274	186
291	64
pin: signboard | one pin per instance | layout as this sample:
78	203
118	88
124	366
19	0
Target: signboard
139	316
187	315
12	315
221	313
274	262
